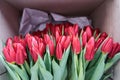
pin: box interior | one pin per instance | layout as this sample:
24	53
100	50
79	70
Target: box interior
104	15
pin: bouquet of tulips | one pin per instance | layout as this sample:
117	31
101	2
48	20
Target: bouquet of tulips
61	52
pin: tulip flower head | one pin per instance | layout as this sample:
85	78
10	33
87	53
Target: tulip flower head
76	45
9	51
96	31
115	49
84	39
88	30
107	45
89	55
50	44
59	52
67	42
21	55
104	34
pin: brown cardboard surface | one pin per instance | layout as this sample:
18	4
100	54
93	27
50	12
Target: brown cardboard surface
66	7
8	28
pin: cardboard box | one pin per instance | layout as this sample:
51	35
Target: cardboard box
105	14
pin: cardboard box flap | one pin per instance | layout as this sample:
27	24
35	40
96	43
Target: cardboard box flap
66	7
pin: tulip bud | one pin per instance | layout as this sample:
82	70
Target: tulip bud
107	45
115	49
41	47
84	39
16	38
9	52
51	47
59	51
88	30
62	40
57	36
58	28
98	42
46	38
96	31
76	45
75	26
71	31
50	44
89	55
33	46
67	42
104	34
20	53
36	33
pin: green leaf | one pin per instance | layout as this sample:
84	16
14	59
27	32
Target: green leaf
65	74
41	62
9	76
65	57
45	74
63	62
89	73
99	68
74	75
47	60
34	71
21	72
12	73
111	62
27	67
105	77
29	58
81	66
56	70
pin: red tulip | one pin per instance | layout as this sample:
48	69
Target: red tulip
76	45
104	34
16	38
57	36
20	53
51	47
98	43
46	38
50	44
66	42
62	40
41	47
84	39
19	39
36	33
70	31
88	30
107	45
33	46
58	28
75	27
96	31
89	55
67	24
9	51
115	49
59	52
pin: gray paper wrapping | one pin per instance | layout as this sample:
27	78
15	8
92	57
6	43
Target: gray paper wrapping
33	20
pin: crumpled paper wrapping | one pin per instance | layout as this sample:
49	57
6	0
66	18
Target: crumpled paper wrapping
33	20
